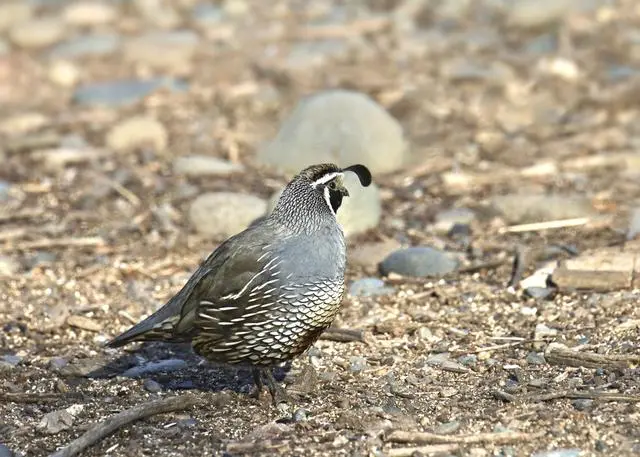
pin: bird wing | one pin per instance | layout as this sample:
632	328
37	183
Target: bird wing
219	281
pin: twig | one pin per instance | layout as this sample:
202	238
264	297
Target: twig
57	243
520	262
120	189
113	423
603	396
399	436
26	397
488	265
422	450
558	354
498	347
504	396
546	225
342	335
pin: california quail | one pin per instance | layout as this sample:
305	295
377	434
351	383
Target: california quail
266	294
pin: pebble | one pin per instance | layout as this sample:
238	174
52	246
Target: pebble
558	453
306	55
536	358
466	70
540	293
543	331
5	190
207	15
357	364
148	368
58	363
22	123
57	421
369	287
634	224
89	13
525	208
14	12
37	33
222	214
421	261
152	386
235	8
5	451
447	428
339	126
172	49
201	165
158	12
137	132
8	266
468	360
300	415
64	74
12	360
582	404
124	92
538	13
446	220
93	45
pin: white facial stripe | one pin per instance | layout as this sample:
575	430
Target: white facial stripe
328	200
326	179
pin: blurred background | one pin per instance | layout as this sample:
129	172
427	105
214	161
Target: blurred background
135	135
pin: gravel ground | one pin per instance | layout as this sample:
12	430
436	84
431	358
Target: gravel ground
513	112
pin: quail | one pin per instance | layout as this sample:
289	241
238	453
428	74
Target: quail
265	295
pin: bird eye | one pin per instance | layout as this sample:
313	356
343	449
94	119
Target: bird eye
333	185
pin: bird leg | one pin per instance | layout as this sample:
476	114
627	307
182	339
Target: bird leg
278	394
257	380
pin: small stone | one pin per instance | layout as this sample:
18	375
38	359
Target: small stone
538	13
544	331
89	13
338	126
445	220
559	453
84	323
634	224
369	287
235	8
525	208
125	92
582	404
465	70
165	366
357	364
468	360
299	415
172	49
207	15
12	360
159	13
540	293
536	358
152	386
200	165
14	12
307	55
136	132
447	428
58	363
5	190
8	266
37	33
64	74
6	452
20	124
93	45
419	261
222	214
57	421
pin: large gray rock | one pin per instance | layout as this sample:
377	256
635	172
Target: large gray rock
359	212
338	126
222	214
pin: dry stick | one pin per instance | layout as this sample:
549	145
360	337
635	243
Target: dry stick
113	423
520	262
58	242
498	347
423	450
25	397
342	335
558	354
537	226
400	436
603	396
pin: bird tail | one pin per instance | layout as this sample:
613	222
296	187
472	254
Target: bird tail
148	330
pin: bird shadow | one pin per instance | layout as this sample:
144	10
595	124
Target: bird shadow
175	367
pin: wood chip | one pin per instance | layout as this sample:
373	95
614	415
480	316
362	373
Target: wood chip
559	354
602	271
84	323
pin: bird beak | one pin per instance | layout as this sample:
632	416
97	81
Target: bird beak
344	192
